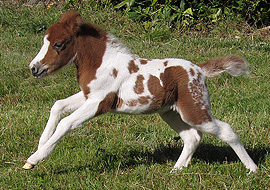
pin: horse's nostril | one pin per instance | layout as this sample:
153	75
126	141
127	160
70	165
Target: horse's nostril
34	70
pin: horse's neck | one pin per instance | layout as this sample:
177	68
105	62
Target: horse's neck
95	53
89	52
92	52
116	54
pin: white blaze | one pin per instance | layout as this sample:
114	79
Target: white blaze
43	51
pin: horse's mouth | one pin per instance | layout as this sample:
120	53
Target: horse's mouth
42	72
38	70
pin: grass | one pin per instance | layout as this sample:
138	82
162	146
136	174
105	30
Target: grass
121	151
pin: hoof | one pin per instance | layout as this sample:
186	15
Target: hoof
252	171
175	169
28	166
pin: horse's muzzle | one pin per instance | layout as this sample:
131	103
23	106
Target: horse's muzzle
38	70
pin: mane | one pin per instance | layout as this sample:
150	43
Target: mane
85	29
89	29
117	45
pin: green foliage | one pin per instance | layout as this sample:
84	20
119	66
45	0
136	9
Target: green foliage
185	12
69	3
152	12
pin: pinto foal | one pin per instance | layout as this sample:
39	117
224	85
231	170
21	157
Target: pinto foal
112	79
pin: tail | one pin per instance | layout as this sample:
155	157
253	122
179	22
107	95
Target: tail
234	65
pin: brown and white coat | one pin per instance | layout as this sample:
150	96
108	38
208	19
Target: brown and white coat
114	80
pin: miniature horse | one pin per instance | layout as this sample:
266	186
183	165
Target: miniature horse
114	80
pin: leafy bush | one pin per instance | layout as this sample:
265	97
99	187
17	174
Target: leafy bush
181	13
184	12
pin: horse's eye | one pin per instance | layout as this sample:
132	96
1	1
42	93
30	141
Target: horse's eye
59	46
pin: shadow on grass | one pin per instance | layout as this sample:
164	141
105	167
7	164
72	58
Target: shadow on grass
164	153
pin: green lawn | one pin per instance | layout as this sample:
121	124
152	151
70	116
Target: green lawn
121	151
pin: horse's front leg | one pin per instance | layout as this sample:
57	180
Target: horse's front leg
87	111
59	108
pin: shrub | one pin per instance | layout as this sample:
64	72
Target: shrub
255	12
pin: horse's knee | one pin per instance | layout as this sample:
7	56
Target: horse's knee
227	133
58	108
219	129
191	136
64	126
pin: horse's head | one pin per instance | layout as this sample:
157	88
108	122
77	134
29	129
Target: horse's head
58	48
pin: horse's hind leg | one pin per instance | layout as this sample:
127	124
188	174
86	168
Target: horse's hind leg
207	123
224	132
190	136
194	107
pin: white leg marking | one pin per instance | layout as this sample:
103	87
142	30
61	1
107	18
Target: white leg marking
224	132
60	107
190	136
191	139
74	120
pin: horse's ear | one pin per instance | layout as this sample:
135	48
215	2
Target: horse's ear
72	19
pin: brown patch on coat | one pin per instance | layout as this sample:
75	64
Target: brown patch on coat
111	101
115	72
144	100
194	108
191	71
132	67
106	104
119	103
162	95
143	61
156	90
161	76
139	88
165	63
132	103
